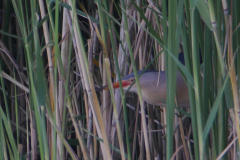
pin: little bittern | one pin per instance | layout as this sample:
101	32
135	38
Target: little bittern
154	87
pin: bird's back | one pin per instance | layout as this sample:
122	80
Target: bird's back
154	89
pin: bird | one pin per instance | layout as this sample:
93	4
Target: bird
154	87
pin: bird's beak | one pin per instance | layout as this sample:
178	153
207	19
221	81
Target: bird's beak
115	85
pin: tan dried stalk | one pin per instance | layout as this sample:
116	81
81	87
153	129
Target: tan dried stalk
234	82
68	147
14	81
90	88
47	40
183	138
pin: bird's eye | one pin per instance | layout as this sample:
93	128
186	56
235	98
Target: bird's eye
133	80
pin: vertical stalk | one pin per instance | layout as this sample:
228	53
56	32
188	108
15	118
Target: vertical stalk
119	132
143	115
174	21
110	25
197	83
186	44
88	82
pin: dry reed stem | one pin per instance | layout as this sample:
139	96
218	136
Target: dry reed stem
91	92
176	152
70	150
139	37
14	81
226	149
233	81
79	137
119	132
183	138
47	40
135	132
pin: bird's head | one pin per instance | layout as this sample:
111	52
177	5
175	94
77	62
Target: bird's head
126	83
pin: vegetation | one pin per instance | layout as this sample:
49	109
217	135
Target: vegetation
54	54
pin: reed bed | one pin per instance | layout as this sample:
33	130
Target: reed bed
56	54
